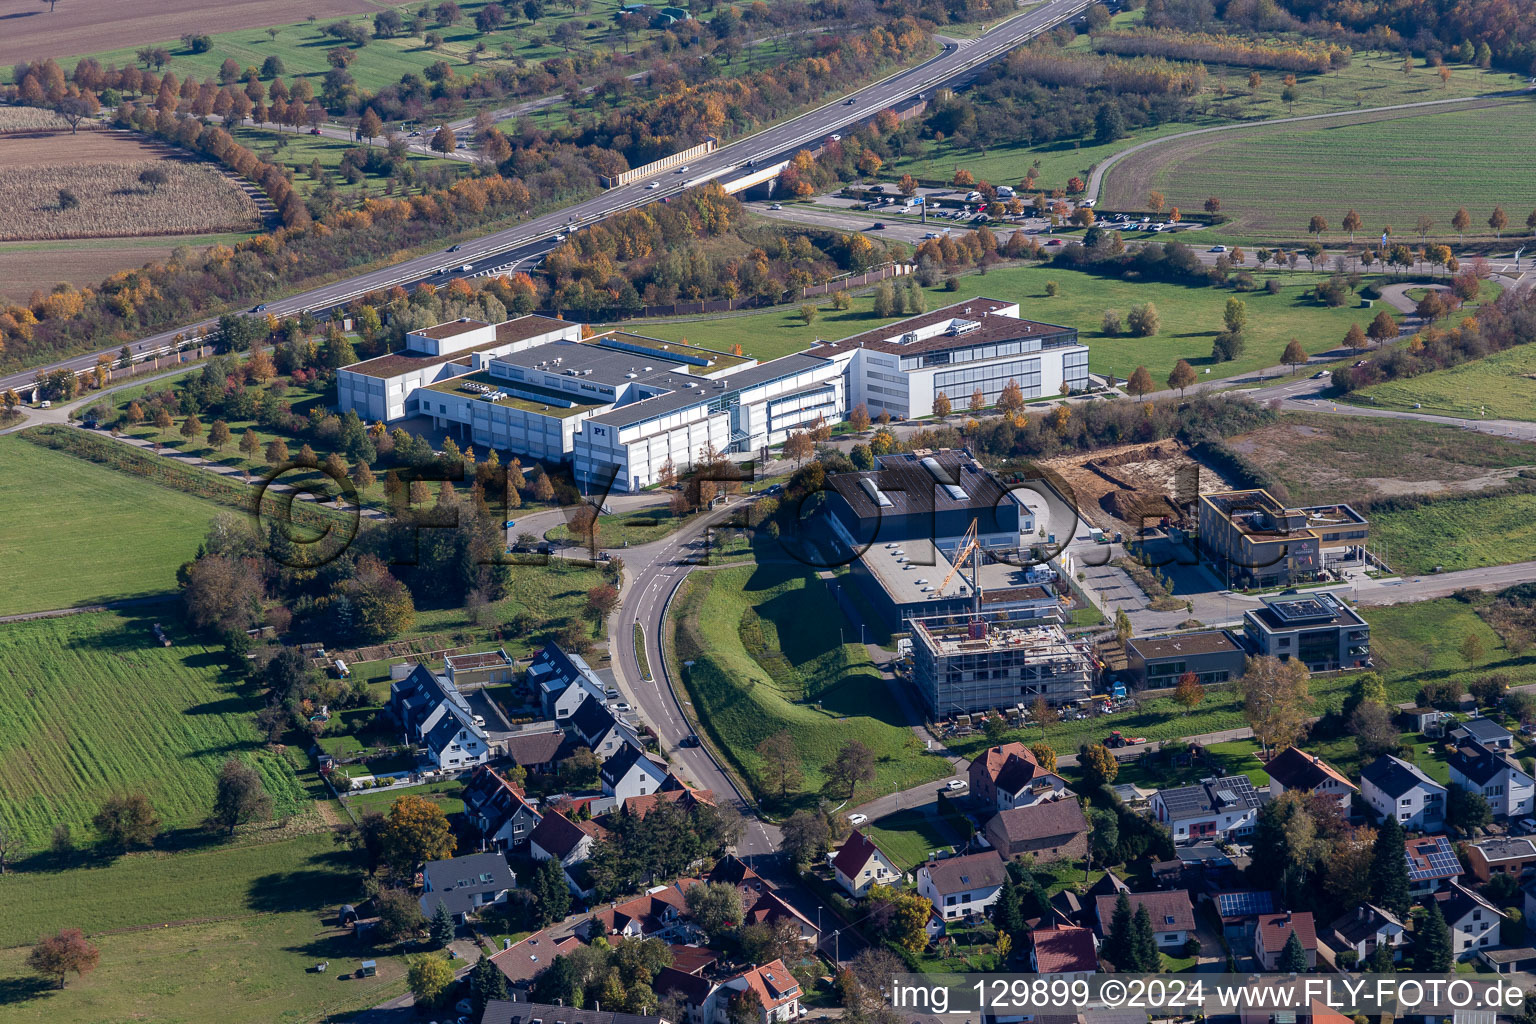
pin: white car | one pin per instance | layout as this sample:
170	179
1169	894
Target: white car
776	206
654	184
1218	248
956	784
623	707
1086	204
681	170
857	819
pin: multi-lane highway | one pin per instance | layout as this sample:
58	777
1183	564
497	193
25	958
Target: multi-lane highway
518	246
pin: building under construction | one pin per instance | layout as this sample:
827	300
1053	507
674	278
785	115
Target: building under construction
965	664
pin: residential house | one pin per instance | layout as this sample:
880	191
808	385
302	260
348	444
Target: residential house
1364	929
1474	922
563	839
498	809
777	991
485	668
732	870
534	751
563	682
1484	732
1273	931
1400	788
1068	907
465	884
600	731
438	721
1222	808
1429	721
859	864
1492	771
1172	914
660	913
631	772
1050	831
770	908
1063	951
1432	863
499	1011
1299	770
1501	855
523	962
1009	776
1240	910
682	795
962	886
693	993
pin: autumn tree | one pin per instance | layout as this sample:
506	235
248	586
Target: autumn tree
907	185
1099	765
1143	321
781	761
798	446
978	400
1461	220
1316	226
127	820
1351	223
1498	221
1354	338
1188	693
859	418
1011	399
416	831
1383	328
941	406
444	140
1045	755
1183	376
1294	355
191	428
429	976
1156	201
1275	699
66	952
1140	382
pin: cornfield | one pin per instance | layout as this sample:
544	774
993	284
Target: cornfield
26	119
111	202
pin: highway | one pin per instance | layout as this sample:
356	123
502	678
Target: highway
519	247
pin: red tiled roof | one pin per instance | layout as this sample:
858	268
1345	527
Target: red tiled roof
856	853
526	960
773	983
1274	929
1064	950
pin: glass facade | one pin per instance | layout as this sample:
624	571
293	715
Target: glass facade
991	379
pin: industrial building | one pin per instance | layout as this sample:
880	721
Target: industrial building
932	497
978	665
904	580
976	344
1253	540
1213	655
1317	629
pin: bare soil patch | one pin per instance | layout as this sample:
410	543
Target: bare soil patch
29	30
41	171
1118	488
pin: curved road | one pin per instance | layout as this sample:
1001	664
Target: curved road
505	250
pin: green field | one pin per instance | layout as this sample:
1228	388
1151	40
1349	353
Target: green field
1459	533
1500	386
299	150
1191	317
907	837
1412	644
799	678
228	934
443	794
626	529
91	705
1272	180
76	533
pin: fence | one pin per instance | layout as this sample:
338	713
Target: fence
655	166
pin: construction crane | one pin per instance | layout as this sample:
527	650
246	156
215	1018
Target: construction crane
969	547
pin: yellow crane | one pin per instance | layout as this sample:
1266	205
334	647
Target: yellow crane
968	545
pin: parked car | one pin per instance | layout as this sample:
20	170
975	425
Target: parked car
622	707
857	819
953	784
877	188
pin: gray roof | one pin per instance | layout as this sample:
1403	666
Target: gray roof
616	767
455	882
971	871
709	389
1485	730
1394	776
1481	764
499	1011
1229	793
1363	922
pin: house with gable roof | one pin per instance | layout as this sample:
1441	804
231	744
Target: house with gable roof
498	809
1273	931
1393	786
1222	808
962	886
1293	768
437	720
463	885
563	682
859	863
1008	776
1493	771
599	730
631	772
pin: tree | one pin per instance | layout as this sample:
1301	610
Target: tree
1188	693
1103	835
808	313
1432	952
62	842
240	797
1352	223
941	406
429	977
1466	809
1099	765
154	177
1294	355
444	141
1123	627
715	907
1389	868
1461	220
162	420
1293	959
1374	732
1144	941
978	400
799	446
1045	755
1011	399
218	435
1316	226
417	831
1383	328
486	983
369	126
1183	376
905	914
1347	875
1140	382
806	836
781	761
1471	649
859	418
551	895
440	928
1156	201
1275	699
127	820
60	954
854	763
1498	221
1007	913
1118	947
1143	320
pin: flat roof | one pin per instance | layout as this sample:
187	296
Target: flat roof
498	385
1207	641
1301	611
530	326
1036	639
714	359
451	329
396	363
1323	516
909	485
993	326
903	570
706	389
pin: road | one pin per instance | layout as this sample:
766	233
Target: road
504	251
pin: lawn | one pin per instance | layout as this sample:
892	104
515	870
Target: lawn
1458	533
299	150
796	677
91	705
1233	758
626	529
1191	318
1321	458
1272	180
227	934
120	537
1413	644
1499	386
444	794
908	837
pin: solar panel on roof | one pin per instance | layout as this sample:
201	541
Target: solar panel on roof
1302	608
1243	904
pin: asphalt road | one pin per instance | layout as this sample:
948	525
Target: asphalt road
507	250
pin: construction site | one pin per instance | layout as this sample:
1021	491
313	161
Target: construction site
1126	488
977	665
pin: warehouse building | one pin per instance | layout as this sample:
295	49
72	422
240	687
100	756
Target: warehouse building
961	667
927	496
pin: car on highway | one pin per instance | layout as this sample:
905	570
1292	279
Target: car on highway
509	524
691	740
454	248
466	268
776	206
857	819
1055	241
654	184
1217	248
851	101
878	225
930	234
1320	374
681	170
262	308
834	137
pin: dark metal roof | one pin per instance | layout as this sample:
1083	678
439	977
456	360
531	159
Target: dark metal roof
910	485
1394	776
1229	793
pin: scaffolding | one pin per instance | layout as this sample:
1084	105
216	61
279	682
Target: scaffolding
959	669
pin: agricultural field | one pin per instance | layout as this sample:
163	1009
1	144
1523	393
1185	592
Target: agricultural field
1458	533
33	32
759	669
125	536
1272	179
228	933
84	262
30	119
87	185
140	717
1323	458
1191	317
1499	386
